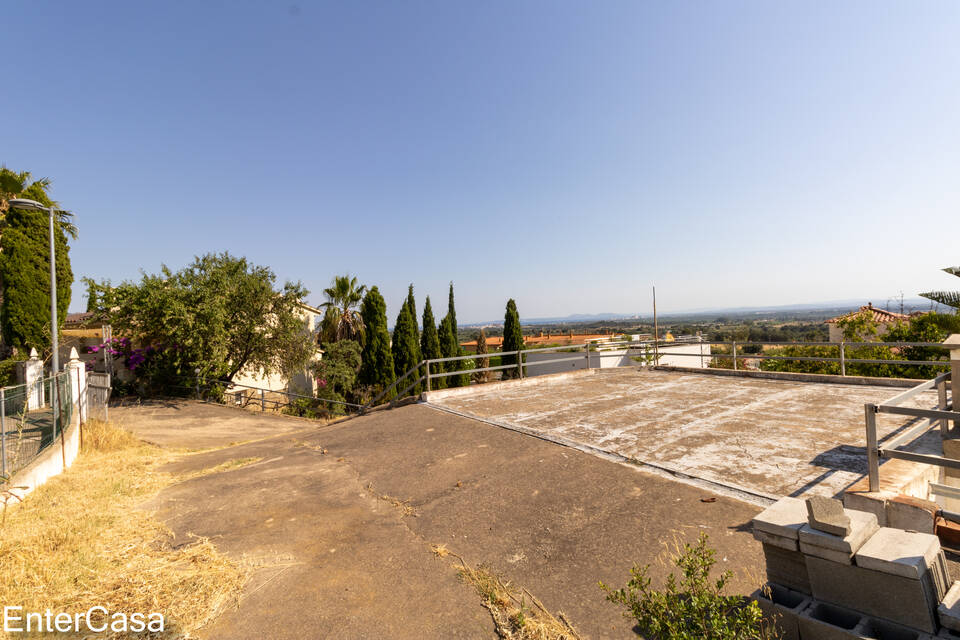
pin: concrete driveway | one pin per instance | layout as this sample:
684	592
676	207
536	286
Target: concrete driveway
337	558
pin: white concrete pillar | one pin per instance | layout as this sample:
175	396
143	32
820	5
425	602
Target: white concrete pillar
77	372
953	343
30	373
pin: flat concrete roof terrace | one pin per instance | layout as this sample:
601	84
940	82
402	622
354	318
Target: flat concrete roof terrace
771	437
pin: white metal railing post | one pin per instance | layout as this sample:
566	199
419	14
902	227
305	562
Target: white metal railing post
942	405
426	364
843	358
520	363
734	355
586	349
873	454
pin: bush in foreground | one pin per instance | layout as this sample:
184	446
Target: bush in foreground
692	607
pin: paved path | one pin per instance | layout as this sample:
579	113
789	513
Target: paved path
337	561
188	424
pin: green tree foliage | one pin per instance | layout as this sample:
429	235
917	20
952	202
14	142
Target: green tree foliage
405	347
482	361
25	277
337	372
445	335
220	314
451	346
691	607
947	298
512	337
341	320
430	343
412	305
929	327
20	184
376	370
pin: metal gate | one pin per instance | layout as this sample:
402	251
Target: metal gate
98	395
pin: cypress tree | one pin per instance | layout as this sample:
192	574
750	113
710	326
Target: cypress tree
430	342
25	274
482	360
376	370
406	349
454	348
412	305
512	337
452	312
444	336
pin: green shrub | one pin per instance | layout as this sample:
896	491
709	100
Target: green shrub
692	607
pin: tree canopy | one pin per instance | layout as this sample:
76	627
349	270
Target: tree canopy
341	320
406	346
25	278
430	341
947	298
376	370
220	314
512	337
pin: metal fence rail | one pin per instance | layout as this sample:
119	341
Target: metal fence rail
31	418
247	396
426	371
923	421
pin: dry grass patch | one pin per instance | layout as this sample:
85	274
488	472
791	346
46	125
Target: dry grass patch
82	540
517	614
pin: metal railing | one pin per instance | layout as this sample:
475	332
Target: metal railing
922	421
841	347
247	396
644	351
31	418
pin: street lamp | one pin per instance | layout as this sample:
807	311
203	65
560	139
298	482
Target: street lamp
33	205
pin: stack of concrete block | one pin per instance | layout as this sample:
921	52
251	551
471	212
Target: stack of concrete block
835	573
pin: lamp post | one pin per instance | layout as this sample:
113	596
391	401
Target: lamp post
33	205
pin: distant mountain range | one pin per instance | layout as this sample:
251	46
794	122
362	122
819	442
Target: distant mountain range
909	304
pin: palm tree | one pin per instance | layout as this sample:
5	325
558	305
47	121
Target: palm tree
946	298
21	184
342	320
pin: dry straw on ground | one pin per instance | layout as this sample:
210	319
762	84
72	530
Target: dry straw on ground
517	614
83	540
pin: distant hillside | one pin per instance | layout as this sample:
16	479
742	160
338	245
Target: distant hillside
812	310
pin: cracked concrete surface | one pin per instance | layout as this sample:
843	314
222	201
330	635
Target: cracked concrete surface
776	437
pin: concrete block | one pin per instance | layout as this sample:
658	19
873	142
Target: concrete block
906	553
875	629
826	514
783	518
913	514
787	568
949	609
825	545
822	621
896	598
874	502
781	608
790	544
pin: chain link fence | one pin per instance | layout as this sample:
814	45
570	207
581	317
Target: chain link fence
31	418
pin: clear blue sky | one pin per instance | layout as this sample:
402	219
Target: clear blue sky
567	154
